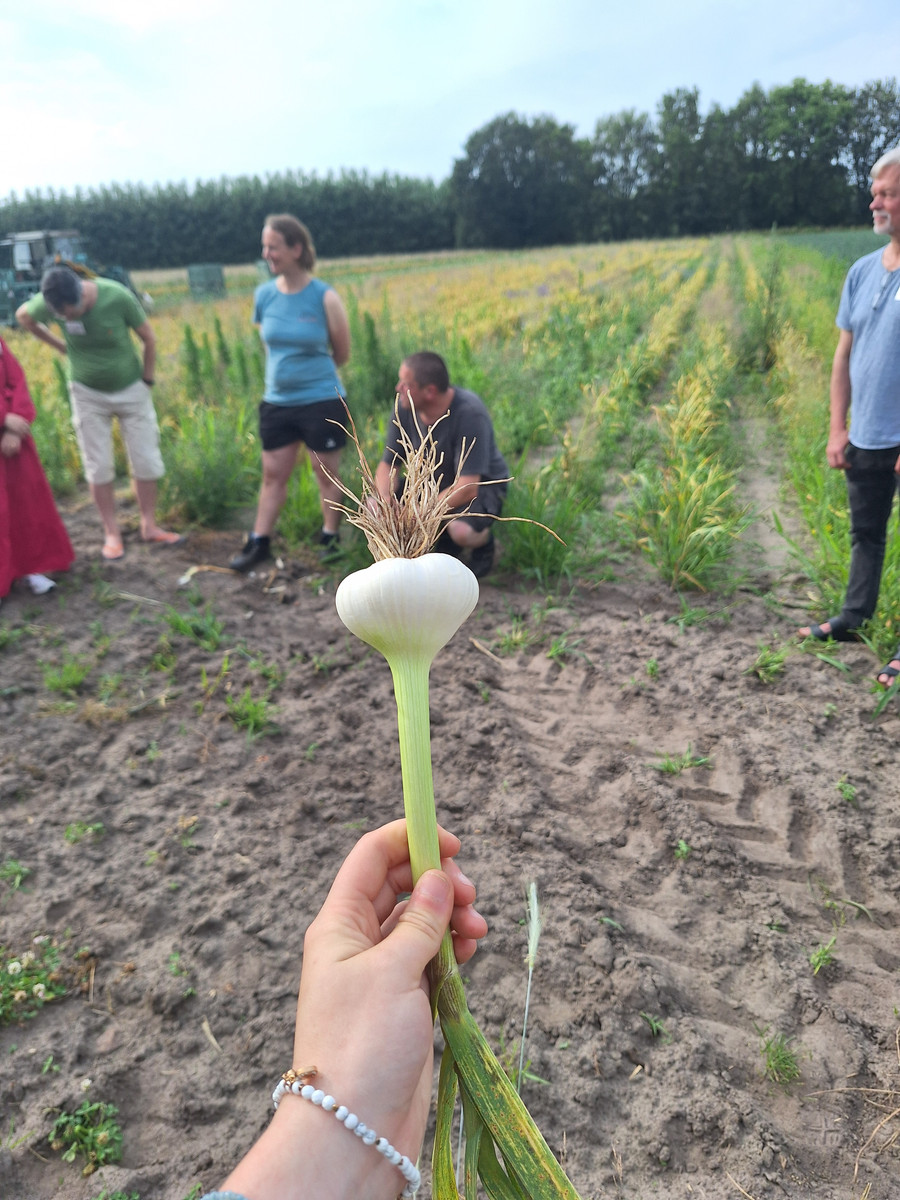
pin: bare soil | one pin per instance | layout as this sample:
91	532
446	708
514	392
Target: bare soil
217	851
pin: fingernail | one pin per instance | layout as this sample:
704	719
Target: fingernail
433	888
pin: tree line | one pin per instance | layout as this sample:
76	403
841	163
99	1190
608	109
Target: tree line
795	155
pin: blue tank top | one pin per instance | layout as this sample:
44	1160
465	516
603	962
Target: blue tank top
299	365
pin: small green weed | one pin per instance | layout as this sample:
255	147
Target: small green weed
781	1064
652	668
829	711
77	831
310	752
822	956
847	791
68	677
272	673
324	664
10	1141
107	1195
674	764
682	850
10	635
612	924
656	1026
254	715
769	663
13	874
517	637
28	980
565	647
508	1056
91	1133
199	625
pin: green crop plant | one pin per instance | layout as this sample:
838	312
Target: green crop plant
90	1132
28	980
781	1063
407	605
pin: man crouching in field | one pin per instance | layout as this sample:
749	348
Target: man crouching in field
867	367
424	384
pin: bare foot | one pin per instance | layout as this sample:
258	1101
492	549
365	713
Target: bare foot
162	537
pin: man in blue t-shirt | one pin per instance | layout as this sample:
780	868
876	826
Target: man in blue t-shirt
426	396
867	368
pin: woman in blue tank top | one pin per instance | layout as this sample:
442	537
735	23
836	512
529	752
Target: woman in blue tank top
305	331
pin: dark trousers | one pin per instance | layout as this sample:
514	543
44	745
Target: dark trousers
871	484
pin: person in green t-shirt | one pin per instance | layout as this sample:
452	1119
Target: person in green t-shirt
107	380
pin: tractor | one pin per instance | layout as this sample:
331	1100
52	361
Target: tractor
24	257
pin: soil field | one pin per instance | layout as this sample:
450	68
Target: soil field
680	910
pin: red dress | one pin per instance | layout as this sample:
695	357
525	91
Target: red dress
33	539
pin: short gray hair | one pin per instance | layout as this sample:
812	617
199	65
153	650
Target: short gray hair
889	159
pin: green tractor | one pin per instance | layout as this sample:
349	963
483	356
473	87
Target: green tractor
24	257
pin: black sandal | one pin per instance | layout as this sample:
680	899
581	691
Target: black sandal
891	672
840	631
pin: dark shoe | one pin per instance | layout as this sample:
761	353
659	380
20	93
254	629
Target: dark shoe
329	545
481	559
256	550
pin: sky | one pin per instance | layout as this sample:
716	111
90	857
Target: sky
96	92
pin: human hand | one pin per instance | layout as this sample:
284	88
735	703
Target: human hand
835	451
10	443
363	1014
16	424
364	1021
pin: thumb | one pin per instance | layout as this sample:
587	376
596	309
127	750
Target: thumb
423	923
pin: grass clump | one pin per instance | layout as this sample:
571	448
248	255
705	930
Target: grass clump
781	1065
768	664
674	764
198	625
254	714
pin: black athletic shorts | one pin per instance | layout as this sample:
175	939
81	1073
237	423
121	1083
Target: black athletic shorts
283	424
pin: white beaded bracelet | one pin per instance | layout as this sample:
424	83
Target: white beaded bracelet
293	1081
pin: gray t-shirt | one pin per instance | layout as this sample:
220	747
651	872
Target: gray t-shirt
870	310
467	419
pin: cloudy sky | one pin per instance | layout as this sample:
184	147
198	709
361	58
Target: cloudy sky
100	91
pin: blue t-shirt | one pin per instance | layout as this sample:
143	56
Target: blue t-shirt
870	310
299	365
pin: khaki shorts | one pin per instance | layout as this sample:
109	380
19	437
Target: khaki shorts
92	416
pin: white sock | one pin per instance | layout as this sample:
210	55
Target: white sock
40	584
